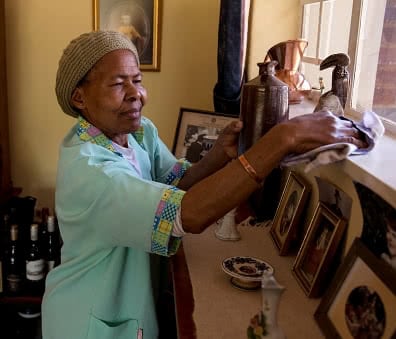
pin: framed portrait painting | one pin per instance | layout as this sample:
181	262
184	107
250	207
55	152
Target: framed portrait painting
360	301
139	20
287	216
315	258
196	132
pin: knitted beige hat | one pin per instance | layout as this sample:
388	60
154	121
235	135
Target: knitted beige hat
80	56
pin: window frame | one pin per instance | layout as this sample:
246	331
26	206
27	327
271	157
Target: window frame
353	45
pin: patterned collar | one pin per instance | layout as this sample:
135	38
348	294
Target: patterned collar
88	132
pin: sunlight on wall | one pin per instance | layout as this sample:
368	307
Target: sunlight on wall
36	34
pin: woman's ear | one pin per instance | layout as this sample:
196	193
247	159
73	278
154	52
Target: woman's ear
77	99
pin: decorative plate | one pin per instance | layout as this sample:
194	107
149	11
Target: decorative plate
246	268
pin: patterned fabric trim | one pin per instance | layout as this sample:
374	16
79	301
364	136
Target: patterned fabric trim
162	242
138	135
177	172
88	132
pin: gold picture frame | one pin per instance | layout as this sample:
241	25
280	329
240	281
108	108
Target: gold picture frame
287	217
315	258
139	20
361	298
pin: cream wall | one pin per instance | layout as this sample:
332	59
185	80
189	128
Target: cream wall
36	33
38	30
270	22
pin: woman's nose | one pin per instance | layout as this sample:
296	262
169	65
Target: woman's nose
132	92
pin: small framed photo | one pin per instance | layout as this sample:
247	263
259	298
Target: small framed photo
287	216
196	132
139	20
318	250
360	301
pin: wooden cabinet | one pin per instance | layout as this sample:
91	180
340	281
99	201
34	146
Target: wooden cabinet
5	176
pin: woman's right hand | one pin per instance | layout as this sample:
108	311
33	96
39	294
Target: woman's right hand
310	131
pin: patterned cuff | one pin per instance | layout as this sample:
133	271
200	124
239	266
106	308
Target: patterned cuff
162	242
177	172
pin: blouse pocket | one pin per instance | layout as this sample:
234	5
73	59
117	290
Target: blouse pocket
128	329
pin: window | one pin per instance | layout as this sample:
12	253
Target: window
366	31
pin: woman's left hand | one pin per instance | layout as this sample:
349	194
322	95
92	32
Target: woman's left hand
228	138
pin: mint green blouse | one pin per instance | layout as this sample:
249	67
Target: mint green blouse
111	220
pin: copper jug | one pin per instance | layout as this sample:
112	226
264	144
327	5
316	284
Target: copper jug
288	54
264	103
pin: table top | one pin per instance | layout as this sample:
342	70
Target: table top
223	311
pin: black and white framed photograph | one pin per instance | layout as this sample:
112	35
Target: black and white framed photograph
379	224
196	132
139	20
334	197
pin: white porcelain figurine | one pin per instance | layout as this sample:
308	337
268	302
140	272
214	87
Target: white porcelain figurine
264	325
226	228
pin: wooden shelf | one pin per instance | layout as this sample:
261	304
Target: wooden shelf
214	308
184	300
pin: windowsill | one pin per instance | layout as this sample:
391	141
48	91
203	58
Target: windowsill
376	169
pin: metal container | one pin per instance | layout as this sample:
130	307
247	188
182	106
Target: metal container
289	54
264	104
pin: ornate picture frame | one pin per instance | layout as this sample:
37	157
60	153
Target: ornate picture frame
196	132
315	258
360	300
139	20
289	211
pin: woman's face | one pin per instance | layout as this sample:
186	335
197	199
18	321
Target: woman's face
112	96
391	240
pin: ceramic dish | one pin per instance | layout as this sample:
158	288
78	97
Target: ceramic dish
246	272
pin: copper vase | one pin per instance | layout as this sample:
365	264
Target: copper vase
288	54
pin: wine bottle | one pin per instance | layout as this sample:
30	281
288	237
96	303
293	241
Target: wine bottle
3	237
14	269
53	245
35	264
43	228
1	272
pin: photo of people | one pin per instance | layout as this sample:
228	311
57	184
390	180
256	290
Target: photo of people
390	255
196	132
365	313
286	222
130	31
193	142
133	19
379	224
335	198
288	213
317	248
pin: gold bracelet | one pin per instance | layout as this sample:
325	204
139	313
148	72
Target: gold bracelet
249	169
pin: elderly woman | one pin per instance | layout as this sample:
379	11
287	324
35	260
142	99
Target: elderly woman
121	195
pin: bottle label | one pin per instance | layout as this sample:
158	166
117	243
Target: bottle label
35	269
14	282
